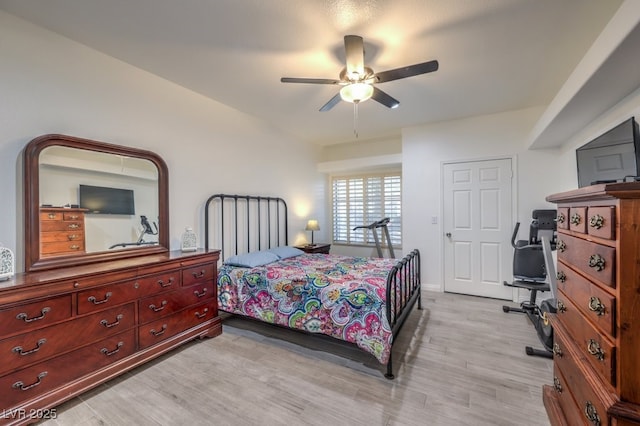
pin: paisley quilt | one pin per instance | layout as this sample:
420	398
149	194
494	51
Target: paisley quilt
342	297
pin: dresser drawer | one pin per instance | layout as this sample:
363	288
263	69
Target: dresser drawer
578	219
33	381
154	307
562	218
50	226
56	237
158	283
602	222
37	345
20	319
157	331
595	260
198	273
590	343
104	297
570	410
595	303
62	247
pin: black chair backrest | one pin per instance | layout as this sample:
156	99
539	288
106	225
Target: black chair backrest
543	223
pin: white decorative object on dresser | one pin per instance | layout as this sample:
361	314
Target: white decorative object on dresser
597	328
7	263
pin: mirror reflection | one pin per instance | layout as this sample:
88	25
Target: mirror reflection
106	201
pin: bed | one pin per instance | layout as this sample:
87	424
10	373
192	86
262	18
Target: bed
363	301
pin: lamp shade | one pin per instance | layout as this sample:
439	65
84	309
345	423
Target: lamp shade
356	92
312	225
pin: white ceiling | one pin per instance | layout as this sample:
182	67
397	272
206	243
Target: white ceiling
494	55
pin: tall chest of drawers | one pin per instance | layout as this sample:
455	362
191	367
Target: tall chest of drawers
61	231
597	327
67	330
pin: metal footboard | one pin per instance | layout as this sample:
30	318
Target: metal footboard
403	291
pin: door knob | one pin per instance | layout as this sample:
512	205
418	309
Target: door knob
448	234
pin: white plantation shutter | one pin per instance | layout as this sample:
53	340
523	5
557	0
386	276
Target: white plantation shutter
361	200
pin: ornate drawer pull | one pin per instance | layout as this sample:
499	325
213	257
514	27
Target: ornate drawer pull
163	284
561	307
594	349
595	305
51	215
25	317
159	332
199	274
199	295
107	352
561	276
596	262
561	218
556	385
93	300
557	351
74	217
113	324
74	247
561	246
19	351
72	237
596	221
73	226
203	314
575	219
20	385
591	414
155	308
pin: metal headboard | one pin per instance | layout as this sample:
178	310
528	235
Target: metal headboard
245	223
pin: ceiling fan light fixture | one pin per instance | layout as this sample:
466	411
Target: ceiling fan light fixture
356	92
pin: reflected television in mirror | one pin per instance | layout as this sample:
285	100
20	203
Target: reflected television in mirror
611	157
104	200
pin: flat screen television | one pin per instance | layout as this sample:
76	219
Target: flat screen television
611	157
102	200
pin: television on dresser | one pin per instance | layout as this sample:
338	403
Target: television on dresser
103	200
611	157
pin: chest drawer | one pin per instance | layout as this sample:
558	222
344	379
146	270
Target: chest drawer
601	222
591	344
51	226
45	376
164	328
562	218
154	307
595	260
571	412
198	273
596	304
157	283
107	296
62	247
577	219
37	345
30	316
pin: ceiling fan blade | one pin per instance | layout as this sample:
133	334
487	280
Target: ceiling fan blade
309	80
384	99
405	72
354	50
332	102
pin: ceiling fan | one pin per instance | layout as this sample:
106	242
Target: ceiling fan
358	81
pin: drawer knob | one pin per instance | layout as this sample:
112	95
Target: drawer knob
73	226
74	217
561	307
591	414
561	276
557	351
596	262
155	308
561	246
199	295
108	352
72	237
575	219
203	314
596	221
19	351
93	300
158	332
164	284
25	317
107	324
74	247
595	305
20	385
594	349
51	215
561	218
556	385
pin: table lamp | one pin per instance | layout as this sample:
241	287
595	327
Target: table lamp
312	225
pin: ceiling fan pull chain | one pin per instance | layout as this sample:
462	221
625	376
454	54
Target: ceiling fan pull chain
355	119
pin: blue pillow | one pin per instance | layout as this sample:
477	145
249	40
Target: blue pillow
253	259
285	252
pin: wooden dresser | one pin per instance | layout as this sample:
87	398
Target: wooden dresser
61	231
597	328
64	331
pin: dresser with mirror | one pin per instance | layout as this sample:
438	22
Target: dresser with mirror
102	292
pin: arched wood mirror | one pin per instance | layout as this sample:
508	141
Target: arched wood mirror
88	201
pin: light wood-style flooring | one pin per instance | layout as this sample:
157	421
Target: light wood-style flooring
459	361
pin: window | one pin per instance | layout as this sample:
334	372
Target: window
364	199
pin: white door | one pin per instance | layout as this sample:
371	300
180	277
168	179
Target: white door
477	224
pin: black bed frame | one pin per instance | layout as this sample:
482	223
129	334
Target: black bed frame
246	223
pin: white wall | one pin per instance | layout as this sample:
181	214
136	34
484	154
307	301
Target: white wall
50	84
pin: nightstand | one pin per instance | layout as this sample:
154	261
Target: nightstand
315	248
